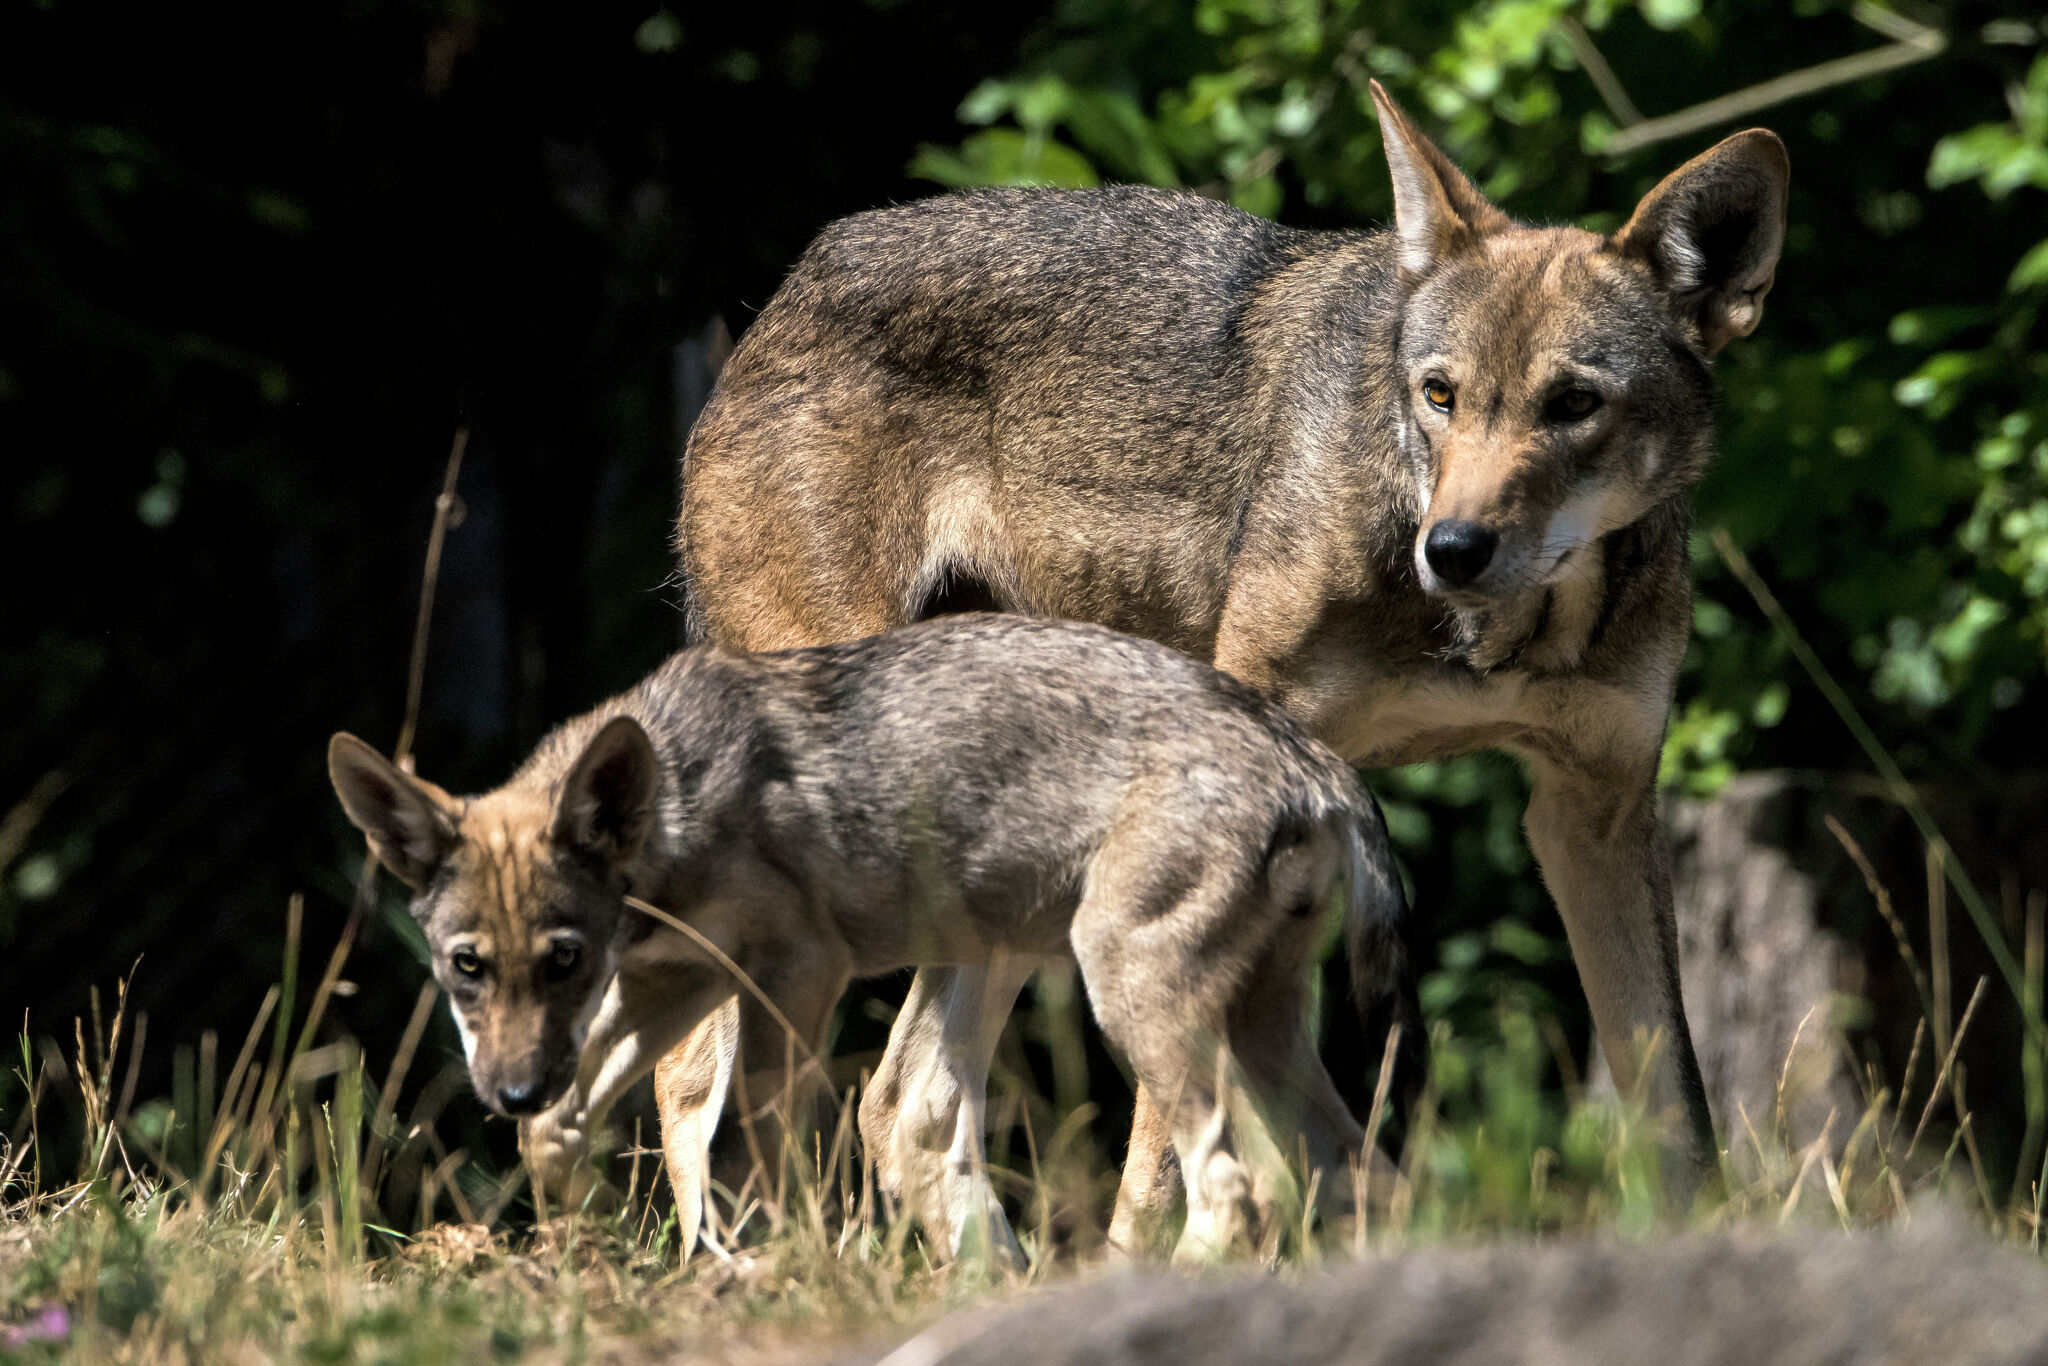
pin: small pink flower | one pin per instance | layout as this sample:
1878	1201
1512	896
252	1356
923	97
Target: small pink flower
51	1324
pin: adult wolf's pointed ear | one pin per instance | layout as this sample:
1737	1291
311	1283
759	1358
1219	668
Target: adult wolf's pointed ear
409	821
1437	211
1712	230
607	804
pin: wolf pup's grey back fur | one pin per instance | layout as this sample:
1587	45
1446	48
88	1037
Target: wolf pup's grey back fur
966	791
1429	488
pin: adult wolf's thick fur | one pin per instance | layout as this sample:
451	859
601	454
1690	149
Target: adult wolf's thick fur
966	791
1428	488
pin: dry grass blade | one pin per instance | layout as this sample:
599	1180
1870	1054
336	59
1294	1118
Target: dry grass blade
739	975
22	818
1361	1184
1947	1062
1906	1086
1883	897
1785	1068
223	1125
401	1063
325	991
1813	1154
445	516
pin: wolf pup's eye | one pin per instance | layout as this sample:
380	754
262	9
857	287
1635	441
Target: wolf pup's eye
467	963
1438	394
562	960
1573	405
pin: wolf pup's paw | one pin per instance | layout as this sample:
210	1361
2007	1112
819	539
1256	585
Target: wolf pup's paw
557	1153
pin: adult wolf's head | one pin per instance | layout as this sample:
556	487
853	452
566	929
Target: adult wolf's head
519	892
1557	384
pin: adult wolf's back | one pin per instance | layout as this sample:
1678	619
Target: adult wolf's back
1429	488
963	375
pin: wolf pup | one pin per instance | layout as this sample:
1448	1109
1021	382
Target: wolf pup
961	792
1428	488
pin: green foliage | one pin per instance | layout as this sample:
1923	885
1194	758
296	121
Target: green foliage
1505	1150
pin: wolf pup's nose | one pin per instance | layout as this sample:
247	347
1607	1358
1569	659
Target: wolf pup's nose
519	1100
1459	551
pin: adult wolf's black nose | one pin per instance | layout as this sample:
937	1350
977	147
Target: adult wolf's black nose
1459	551
519	1100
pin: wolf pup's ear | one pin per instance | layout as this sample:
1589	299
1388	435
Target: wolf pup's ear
1437	211
410	822
1711	231
607	804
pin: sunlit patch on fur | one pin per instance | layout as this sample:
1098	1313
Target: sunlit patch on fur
1581	520
468	1034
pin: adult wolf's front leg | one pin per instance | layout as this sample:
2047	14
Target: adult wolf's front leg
1151	1186
1603	854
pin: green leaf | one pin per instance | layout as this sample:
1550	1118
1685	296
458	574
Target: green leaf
2032	271
1005	156
1670	14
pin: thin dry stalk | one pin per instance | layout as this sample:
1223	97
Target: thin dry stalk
1937	945
2033	1056
224	1127
1947	1062
1834	1187
1969	1133
1883	897
1785	1070
1924	44
387	1099
1811	1155
134	1068
1906	1085
739	974
447	514
1361	1183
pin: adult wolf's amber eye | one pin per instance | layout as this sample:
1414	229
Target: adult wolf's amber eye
467	963
562	959
1438	394
1573	404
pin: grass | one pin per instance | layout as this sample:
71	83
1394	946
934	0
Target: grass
281	1205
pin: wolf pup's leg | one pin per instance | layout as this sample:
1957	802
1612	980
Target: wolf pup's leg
690	1084
1162	987
1604	857
922	1114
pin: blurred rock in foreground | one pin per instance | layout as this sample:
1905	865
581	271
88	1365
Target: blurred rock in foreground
1936	1293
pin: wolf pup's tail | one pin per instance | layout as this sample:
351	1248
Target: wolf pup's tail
1378	932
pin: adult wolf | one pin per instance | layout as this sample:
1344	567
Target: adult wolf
961	792
1429	488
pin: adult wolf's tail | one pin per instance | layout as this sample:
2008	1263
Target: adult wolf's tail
1377	930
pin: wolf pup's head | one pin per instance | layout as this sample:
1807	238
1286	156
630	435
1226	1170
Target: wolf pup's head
519	894
1557	384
